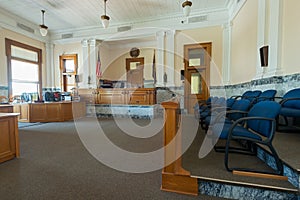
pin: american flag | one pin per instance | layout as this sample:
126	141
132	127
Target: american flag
98	67
154	68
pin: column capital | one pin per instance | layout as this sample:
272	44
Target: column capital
170	32
160	34
92	42
84	43
227	25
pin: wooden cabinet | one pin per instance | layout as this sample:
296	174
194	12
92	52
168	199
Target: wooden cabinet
123	96
23	110
6	108
9	138
50	112
45	112
111	96
142	97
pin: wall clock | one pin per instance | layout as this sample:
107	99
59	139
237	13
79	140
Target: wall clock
134	52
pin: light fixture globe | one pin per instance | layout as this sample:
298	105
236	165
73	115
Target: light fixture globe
105	21
105	18
43	30
186	7
43	27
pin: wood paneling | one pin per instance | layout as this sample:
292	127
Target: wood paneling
23	110
135	96
6	108
9	137
50	112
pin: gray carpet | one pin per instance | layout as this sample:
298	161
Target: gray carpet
55	165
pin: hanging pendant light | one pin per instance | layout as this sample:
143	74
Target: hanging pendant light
186	7
43	27
105	18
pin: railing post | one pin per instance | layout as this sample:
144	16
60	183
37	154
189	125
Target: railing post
174	177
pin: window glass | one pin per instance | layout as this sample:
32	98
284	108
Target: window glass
24	71
196	57
20	88
196	84
24	53
69	65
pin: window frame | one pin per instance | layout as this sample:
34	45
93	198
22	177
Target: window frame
8	44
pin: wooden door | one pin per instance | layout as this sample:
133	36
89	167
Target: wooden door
196	73
135	72
68	68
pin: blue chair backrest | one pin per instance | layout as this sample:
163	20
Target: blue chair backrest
230	102
268	109
246	94
241	105
295	93
267	95
253	95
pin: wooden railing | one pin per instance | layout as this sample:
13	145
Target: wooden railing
174	177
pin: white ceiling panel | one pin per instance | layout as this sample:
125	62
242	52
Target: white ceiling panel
73	14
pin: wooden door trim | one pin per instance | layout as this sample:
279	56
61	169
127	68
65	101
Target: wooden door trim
208	47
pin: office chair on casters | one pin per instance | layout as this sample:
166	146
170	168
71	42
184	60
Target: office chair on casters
258	127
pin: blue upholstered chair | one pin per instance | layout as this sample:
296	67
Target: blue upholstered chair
237	110
245	94
290	106
267	95
258	127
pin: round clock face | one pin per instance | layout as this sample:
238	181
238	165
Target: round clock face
134	52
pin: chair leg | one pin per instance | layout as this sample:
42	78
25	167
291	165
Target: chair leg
277	160
279	165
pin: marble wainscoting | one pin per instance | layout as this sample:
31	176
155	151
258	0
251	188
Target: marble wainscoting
292	174
123	111
232	191
280	83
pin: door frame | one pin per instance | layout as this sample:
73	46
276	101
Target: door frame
188	104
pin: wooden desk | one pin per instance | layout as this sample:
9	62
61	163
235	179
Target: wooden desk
9	136
6	108
50	112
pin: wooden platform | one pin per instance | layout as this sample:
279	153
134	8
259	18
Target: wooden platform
215	180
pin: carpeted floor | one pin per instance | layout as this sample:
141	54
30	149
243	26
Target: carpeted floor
212	167
55	165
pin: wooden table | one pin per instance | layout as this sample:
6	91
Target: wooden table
9	136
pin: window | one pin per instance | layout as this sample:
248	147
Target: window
24	69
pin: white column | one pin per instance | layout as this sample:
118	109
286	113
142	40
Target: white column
261	32
170	54
93	60
49	68
275	38
83	70
160	39
227	28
